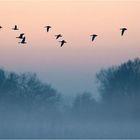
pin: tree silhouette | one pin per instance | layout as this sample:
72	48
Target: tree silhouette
26	90
84	105
120	82
120	90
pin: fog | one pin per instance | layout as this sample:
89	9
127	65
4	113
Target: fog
30	108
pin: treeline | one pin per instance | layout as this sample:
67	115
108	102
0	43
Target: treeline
26	92
29	104
119	88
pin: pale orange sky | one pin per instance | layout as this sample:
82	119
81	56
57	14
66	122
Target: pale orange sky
73	67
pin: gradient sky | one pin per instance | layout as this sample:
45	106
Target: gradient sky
70	69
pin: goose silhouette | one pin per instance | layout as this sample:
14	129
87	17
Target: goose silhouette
62	42
58	36
48	28
23	41
93	36
15	28
123	30
20	36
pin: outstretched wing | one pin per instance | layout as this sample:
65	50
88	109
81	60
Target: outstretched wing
23	40
93	37
122	32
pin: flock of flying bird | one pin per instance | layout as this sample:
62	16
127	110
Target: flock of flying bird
23	38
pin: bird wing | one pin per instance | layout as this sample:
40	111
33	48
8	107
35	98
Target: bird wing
20	35
62	43
48	27
93	38
23	40
122	32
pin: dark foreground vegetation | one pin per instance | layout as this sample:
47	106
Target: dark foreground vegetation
32	109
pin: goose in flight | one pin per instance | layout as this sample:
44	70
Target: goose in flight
15	28
62	42
57	36
20	36
123	30
23	40
48	28
93	36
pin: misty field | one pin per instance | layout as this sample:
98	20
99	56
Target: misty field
30	108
